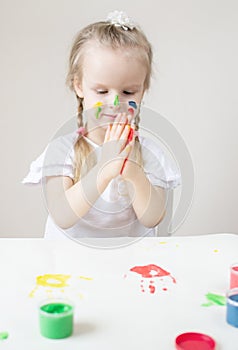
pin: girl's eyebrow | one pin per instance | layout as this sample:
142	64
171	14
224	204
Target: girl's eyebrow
134	87
126	87
130	86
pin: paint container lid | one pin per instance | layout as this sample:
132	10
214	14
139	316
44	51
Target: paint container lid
194	341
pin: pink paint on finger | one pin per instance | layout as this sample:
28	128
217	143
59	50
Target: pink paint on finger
129	139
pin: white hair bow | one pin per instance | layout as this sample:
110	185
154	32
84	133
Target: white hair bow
120	19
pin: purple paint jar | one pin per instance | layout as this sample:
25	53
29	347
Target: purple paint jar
232	307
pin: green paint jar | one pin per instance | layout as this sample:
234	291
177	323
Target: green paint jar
56	319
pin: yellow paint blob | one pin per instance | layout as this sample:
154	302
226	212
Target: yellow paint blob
97	104
32	293
85	278
53	280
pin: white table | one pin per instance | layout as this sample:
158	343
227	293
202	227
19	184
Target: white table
111	310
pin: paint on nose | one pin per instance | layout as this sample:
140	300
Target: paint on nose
116	101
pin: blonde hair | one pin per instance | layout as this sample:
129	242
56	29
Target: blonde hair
115	37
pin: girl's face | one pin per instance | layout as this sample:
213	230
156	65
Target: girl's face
110	76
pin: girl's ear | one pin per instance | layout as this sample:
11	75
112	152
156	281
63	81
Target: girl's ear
78	88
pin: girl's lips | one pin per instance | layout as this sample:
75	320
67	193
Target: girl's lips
111	116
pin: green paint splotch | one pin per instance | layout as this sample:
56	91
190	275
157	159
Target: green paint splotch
214	299
4	335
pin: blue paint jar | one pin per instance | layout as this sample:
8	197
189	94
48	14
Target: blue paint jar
232	307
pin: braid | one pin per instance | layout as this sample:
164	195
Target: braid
137	146
80	112
81	146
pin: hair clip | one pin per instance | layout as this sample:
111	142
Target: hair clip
81	131
120	19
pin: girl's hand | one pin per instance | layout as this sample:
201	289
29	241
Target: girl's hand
115	149
131	167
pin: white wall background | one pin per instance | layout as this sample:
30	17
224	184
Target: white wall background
196	56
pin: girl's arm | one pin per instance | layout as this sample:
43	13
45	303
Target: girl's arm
148	201
67	202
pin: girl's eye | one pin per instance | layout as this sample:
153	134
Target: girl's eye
128	92
101	92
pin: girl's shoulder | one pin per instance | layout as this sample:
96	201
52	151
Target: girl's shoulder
55	160
152	145
159	164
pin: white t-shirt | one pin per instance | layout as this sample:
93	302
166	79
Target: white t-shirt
112	215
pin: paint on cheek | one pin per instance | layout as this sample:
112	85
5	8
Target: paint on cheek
132	107
132	104
98	106
131	111
116	101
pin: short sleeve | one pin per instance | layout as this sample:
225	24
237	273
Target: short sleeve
56	160
159	166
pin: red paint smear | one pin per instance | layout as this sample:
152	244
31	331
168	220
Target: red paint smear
129	139
131	110
173	279
149	271
130	136
152	289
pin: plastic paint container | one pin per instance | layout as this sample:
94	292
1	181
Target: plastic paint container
234	276
56	319
194	341
232	307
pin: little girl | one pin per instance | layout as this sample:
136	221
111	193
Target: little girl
104	180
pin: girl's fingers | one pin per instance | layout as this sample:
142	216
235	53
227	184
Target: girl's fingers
107	135
124	135
118	126
126	152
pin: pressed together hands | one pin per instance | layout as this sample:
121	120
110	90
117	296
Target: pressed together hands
71	201
117	149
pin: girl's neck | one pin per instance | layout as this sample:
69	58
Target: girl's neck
96	135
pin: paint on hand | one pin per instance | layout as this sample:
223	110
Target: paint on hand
214	299
4	335
151	271
116	101
98	106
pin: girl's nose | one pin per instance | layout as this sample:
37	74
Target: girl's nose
116	101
